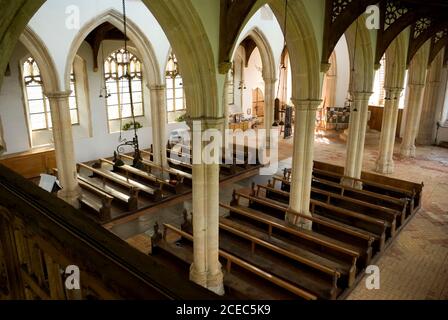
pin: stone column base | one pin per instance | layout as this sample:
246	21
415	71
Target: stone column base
70	196
407	152
213	283
299	222
385	167
199	278
349	182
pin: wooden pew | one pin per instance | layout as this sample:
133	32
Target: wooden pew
187	158
154	193
345	233
94	198
176	164
116	179
130	202
101	205
239	157
256	271
304	263
175	174
313	241
384	189
377	227
350	192
148	177
379	181
371	210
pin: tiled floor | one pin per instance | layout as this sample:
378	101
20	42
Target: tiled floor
415	266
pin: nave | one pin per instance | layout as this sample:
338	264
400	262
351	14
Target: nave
324	249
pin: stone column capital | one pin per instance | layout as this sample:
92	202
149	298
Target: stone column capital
156	87
361	95
324	67
224	67
416	85
306	104
206	122
269	80
58	95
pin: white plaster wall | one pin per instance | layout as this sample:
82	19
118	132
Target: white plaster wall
342	72
59	44
12	110
271	31
95	140
253	80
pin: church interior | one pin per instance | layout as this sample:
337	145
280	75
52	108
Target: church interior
103	165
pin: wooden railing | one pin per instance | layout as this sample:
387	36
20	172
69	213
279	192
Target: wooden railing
40	236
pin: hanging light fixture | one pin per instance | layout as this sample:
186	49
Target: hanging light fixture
104	92
353	71
282	67
137	161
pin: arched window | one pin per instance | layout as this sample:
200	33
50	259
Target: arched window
175	99
377	97
38	104
119	100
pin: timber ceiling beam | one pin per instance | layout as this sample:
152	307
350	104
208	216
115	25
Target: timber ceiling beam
339	15
438	41
445	57
233	15
395	16
422	31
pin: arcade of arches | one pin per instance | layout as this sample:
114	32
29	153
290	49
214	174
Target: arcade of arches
99	109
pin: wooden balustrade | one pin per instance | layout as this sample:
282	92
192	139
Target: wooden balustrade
41	235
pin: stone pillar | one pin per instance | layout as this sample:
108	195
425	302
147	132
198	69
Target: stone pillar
206	268
385	162
302	160
158	119
426	132
63	145
356	137
407	148
225	106
269	97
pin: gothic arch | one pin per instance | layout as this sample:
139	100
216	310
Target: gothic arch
41	55
146	53
396	62
267	56
361	60
183	27
302	47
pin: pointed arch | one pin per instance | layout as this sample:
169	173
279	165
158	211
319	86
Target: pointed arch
396	57
183	27
43	59
361	56
302	46
266	53
151	68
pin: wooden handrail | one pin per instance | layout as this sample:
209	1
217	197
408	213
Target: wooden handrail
62	235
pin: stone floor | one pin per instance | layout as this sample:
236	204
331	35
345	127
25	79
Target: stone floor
415	266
